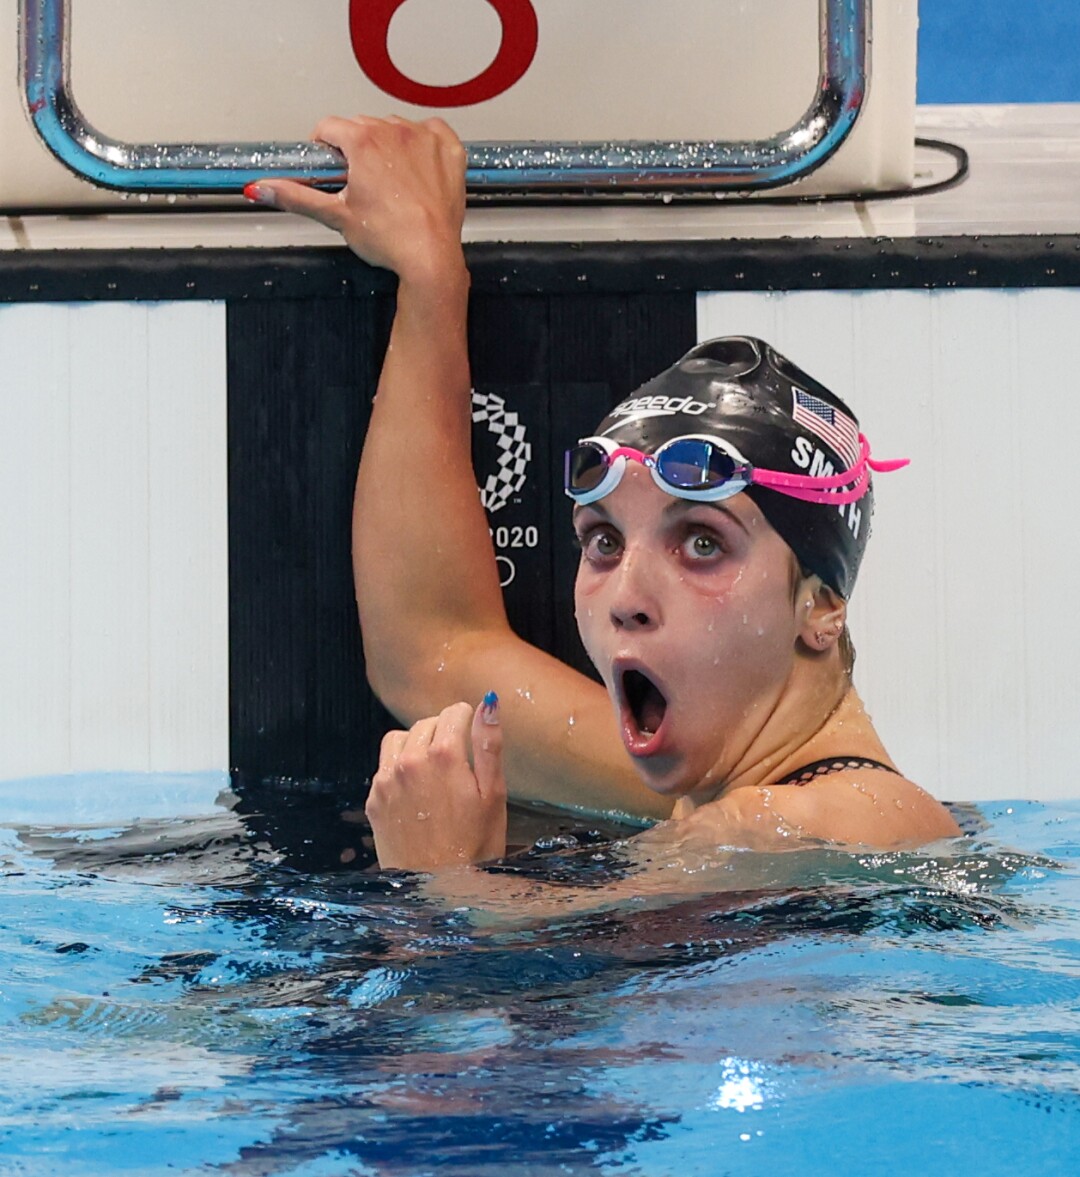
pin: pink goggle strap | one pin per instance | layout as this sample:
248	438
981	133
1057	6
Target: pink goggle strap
835	490
625	451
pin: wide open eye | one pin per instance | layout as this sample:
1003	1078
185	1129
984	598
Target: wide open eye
702	545
691	463
600	545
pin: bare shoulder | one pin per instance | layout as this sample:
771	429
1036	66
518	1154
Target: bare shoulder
861	807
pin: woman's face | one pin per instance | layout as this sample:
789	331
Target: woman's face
688	612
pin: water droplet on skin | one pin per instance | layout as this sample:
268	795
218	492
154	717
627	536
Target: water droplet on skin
761	631
440	668
422	816
570	722
525	694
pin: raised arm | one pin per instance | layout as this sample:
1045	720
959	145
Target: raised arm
427	587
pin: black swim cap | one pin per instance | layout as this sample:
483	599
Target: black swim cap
740	390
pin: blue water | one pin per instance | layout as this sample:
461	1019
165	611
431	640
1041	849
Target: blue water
200	986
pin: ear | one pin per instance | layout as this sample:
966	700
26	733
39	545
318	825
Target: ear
822	614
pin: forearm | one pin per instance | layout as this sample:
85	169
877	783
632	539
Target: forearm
423	562
431	610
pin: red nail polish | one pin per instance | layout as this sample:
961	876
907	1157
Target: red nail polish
257	194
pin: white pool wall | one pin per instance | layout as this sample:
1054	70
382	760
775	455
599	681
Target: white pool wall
114	539
964	618
114	647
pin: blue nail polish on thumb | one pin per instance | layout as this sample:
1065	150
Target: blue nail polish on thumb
490	712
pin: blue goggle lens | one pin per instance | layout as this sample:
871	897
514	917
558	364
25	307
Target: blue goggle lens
694	464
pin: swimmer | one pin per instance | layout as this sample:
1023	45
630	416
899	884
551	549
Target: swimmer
722	512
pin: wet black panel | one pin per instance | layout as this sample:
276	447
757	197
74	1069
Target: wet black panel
512	459
508	353
302	373
653	267
301	377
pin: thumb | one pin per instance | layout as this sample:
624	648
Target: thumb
293	196
487	744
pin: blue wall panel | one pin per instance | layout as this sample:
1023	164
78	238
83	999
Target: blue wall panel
999	51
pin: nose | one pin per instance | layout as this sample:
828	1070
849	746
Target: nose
634	604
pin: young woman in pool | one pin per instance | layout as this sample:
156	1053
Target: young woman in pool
711	600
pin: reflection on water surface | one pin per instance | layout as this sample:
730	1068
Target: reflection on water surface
220	992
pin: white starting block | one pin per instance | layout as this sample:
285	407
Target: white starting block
618	96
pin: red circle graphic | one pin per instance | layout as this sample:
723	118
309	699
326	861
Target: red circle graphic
369	28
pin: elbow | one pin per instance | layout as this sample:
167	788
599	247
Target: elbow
390	686
423	676
410	685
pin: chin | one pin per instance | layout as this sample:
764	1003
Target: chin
664	776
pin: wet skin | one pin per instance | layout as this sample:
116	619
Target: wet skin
705	601
701	598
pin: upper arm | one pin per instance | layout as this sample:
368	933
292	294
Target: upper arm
561	742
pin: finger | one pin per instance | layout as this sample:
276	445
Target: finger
344	133
440	126
391	747
451	739
299	196
441	129
487	745
293	196
420	735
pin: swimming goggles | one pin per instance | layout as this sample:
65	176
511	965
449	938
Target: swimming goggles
706	469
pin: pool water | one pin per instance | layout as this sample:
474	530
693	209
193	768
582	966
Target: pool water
205	983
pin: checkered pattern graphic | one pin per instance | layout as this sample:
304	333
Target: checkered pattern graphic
515	452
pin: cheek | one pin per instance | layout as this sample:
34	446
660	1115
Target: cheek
586	608
751	612
721	591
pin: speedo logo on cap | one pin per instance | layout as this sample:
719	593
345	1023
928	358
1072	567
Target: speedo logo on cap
660	406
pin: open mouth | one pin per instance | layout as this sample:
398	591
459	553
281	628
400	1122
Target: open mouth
645	700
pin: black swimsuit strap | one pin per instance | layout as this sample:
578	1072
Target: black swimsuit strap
810	772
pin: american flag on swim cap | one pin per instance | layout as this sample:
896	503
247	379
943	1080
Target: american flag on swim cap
829	423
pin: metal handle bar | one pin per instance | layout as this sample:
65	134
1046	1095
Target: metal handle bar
495	168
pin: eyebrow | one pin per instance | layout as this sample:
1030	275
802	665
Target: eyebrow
680	506
677	506
596	507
